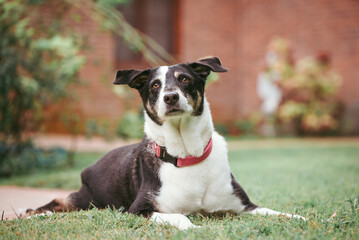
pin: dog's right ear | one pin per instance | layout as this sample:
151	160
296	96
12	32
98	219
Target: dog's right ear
134	78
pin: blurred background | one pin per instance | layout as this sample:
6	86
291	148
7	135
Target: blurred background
293	68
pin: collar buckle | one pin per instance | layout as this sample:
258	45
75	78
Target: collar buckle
162	154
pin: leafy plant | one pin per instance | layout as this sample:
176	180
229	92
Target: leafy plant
248	125
221	128
131	125
24	158
96	128
36	68
309	87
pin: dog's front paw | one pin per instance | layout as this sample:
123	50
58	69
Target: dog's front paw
184	223
174	219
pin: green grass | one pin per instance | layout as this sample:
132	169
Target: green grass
313	181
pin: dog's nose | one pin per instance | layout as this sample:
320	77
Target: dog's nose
171	98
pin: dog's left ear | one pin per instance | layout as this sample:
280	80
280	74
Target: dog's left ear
134	78
204	66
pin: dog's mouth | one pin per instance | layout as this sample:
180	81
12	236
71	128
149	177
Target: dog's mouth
174	112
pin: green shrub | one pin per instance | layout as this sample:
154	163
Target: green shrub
36	68
221	128
96	128
250	124
131	125
23	158
310	86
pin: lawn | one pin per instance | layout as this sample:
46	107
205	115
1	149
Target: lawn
316	180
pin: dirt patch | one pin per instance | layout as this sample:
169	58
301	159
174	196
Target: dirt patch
14	198
79	143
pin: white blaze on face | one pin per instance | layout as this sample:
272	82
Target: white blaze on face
162	106
161	75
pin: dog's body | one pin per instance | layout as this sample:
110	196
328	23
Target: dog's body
177	118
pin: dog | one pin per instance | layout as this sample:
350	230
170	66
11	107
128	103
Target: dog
181	165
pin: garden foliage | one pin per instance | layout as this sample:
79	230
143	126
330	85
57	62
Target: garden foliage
36	67
309	87
40	59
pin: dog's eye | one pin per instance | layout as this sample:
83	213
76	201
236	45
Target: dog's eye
155	85
184	80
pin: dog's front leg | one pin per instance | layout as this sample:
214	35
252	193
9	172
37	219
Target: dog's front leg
174	219
143	206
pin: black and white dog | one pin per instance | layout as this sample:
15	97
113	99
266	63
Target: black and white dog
181	165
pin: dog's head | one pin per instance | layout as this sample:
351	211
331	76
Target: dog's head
171	91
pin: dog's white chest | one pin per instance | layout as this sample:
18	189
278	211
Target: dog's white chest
205	187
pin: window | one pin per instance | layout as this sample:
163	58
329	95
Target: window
153	17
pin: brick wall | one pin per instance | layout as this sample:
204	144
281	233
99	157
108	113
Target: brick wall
208	28
239	32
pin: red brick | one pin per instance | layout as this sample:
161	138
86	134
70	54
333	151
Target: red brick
238	32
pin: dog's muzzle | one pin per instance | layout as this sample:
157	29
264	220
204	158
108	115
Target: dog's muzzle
171	98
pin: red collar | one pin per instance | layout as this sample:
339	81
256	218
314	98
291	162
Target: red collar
162	154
